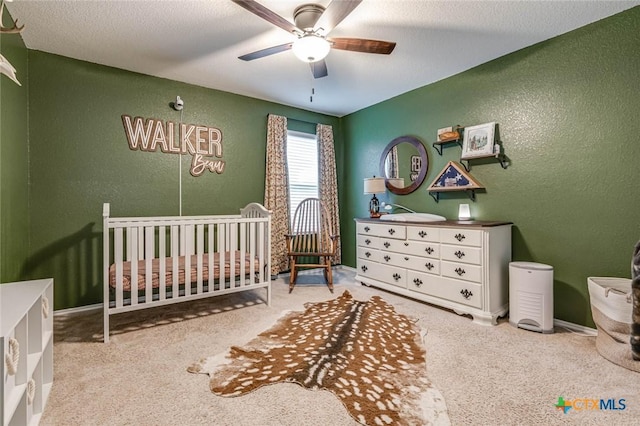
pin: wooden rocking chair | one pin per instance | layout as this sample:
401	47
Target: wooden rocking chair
311	236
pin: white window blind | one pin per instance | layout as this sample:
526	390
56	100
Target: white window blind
302	161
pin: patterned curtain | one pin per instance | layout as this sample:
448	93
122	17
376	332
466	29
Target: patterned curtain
327	179
276	191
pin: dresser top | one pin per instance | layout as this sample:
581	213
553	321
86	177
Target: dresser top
444	223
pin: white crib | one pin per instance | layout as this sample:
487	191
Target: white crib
153	261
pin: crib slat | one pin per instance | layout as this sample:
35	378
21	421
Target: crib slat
118	255
222	248
186	239
211	249
252	252
243	255
149	254
233	242
261	251
175	254
200	254
134	267
140	242
162	254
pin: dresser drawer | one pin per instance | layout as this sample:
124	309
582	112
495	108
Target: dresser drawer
456	291
369	241
395	259
366	253
385	273
416	248
423	233
382	230
461	271
465	237
462	254
424	264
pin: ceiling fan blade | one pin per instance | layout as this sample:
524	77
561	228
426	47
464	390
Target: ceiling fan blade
335	13
266	52
268	15
319	69
363	45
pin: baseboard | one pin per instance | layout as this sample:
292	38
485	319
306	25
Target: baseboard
346	268
79	309
575	327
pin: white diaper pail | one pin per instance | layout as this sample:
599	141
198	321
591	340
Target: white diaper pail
611	309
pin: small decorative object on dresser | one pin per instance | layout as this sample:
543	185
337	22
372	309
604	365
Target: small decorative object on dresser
460	266
26	339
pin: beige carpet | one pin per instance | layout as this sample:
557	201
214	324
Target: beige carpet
487	375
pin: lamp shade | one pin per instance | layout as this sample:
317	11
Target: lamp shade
311	48
374	185
464	213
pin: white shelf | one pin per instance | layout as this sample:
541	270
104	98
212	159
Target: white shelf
26	315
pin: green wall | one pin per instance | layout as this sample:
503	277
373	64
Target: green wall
567	112
80	159
14	162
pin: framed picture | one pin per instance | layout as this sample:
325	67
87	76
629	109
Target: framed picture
478	141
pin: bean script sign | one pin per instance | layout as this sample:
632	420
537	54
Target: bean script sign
203	143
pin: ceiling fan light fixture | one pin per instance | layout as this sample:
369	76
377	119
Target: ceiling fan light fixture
311	48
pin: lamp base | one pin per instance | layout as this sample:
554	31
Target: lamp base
374	207
374	215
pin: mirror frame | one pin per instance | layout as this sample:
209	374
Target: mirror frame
423	170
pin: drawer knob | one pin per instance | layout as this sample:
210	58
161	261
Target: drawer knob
406	258
422	234
367	229
429	250
387	244
387	258
429	265
406	244
364	268
459	271
459	254
368	254
459	237
466	293
392	231
367	241
417	282
396	277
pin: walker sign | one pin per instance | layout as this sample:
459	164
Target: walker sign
202	142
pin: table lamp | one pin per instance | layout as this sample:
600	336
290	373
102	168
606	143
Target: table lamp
374	185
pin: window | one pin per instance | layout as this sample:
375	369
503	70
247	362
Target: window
302	161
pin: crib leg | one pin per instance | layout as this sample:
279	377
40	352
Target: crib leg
106	325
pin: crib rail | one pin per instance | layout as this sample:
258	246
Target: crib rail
172	259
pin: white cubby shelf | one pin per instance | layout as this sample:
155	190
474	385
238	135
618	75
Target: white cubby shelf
26	339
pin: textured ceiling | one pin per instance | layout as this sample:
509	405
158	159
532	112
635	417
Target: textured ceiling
199	42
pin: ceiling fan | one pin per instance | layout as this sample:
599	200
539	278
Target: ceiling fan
312	24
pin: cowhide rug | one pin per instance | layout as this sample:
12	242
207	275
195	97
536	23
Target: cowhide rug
365	353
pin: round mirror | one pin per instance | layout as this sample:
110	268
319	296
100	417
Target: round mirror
404	164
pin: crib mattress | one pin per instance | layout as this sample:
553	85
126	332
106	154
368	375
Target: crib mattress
237	260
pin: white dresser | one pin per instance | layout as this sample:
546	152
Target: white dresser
462	266
26	324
